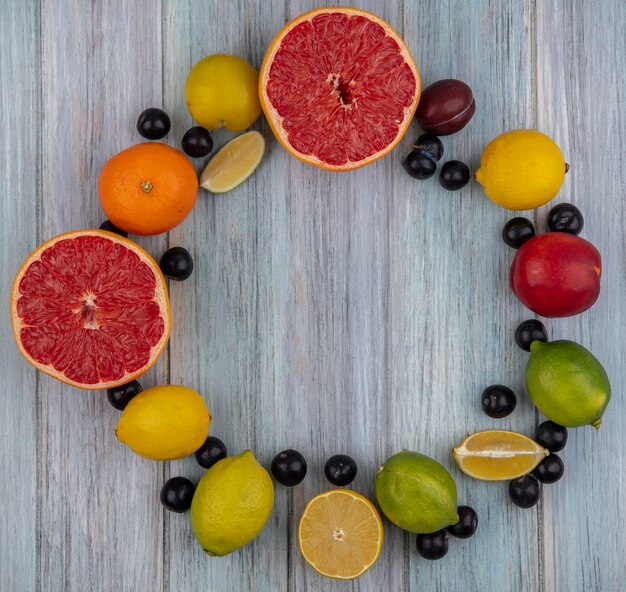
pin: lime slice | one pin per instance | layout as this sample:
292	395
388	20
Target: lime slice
234	163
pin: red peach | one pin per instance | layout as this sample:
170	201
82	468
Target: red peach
556	274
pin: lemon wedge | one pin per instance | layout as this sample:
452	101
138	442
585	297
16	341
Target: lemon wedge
233	163
498	455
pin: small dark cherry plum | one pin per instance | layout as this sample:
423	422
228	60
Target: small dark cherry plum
176	263
289	467
432	546
210	452
340	469
197	142
108	225
525	491
565	217
153	124
454	175
176	494
550	469
529	331
551	435
430	146
498	401
517	231
467	524
419	166
120	396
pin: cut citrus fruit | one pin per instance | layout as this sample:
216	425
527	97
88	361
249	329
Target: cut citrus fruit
233	163
498	455
340	534
90	308
338	87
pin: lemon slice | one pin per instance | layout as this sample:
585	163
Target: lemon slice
340	534
498	455
233	163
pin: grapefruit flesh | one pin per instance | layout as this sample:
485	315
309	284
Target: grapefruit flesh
338	87
90	308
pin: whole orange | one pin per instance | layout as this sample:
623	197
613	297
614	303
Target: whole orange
148	188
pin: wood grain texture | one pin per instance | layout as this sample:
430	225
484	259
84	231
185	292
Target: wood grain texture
336	355
452	316
233	304
20	151
359	313
101	520
581	99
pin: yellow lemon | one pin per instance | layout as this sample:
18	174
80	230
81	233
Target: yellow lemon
232	503
222	91
340	534
521	170
234	163
164	422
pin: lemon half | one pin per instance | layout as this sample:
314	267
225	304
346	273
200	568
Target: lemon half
340	534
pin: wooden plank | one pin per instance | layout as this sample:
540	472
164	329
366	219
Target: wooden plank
336	347
581	72
20	191
228	317
101	521
451	314
356	313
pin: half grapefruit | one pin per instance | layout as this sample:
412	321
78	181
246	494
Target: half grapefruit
338	87
90	308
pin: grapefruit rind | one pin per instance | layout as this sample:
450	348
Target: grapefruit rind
275	120
161	297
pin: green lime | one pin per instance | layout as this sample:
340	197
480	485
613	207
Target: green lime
231	504
416	493
567	383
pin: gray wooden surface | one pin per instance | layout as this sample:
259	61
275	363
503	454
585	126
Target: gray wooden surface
359	313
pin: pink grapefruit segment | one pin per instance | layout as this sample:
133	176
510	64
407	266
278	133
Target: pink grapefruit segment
90	308
338	87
